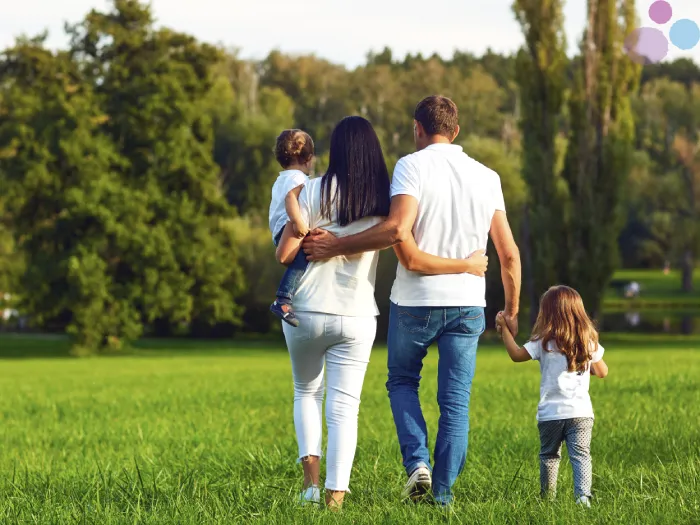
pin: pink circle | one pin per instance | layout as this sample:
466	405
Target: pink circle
660	12
646	45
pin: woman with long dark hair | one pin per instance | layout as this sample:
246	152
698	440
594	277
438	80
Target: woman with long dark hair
335	304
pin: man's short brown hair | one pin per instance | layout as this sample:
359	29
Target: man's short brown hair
438	116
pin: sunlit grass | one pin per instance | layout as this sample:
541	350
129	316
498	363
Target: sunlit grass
203	433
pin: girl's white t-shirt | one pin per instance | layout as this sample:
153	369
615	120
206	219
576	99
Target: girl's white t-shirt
563	394
341	285
286	182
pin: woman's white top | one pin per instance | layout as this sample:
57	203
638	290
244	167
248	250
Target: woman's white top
341	285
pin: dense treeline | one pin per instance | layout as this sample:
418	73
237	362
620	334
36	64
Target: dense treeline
136	168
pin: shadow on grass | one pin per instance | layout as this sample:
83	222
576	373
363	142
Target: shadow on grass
33	346
40	346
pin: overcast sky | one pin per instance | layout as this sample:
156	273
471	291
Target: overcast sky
342	31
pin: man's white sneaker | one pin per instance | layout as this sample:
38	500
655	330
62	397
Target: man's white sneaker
310	495
418	485
584	500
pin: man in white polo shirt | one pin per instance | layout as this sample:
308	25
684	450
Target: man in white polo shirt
450	203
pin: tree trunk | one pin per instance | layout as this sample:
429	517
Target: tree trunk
687	269
687	325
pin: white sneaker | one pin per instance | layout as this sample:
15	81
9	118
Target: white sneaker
310	495
584	500
419	484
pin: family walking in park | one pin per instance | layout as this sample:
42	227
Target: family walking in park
437	212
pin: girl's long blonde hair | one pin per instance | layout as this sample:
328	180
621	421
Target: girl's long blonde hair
563	319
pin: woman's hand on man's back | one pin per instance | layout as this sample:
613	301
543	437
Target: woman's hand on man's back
477	263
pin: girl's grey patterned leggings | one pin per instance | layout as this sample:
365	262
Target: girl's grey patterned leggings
577	434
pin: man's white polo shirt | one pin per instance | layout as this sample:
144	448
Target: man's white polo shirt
457	198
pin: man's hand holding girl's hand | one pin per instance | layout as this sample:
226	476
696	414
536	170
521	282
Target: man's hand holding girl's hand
500	323
510	323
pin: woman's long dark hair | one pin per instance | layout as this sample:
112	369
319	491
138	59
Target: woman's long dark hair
357	165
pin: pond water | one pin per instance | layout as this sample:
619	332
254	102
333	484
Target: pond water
651	322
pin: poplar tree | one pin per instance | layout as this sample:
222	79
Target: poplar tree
541	77
601	146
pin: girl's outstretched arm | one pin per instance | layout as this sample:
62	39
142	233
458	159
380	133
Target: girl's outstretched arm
516	353
599	369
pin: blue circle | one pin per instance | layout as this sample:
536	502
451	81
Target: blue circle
685	34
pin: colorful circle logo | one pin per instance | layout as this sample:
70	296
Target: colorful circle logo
649	45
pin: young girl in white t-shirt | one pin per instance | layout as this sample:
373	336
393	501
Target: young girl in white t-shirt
565	342
294	151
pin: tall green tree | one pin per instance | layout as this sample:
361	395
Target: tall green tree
600	151
113	194
65	203
688	209
11	258
179	266
541	76
663	221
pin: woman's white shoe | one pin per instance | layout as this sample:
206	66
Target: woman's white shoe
310	495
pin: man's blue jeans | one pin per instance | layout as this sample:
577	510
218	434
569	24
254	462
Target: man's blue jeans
411	331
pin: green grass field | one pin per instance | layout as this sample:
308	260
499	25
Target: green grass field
203	433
